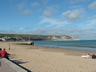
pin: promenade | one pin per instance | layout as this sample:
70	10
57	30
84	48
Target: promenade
8	66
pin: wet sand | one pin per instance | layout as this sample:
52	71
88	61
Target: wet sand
46	59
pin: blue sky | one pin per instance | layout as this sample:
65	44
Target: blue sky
49	17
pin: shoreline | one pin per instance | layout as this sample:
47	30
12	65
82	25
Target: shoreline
80	45
67	51
47	59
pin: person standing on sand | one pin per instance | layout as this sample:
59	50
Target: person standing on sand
4	54
9	47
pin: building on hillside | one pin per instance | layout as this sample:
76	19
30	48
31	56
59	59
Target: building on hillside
2	39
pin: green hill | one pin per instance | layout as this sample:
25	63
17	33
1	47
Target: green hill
36	37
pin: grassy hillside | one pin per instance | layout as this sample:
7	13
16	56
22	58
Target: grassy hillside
36	37
25	36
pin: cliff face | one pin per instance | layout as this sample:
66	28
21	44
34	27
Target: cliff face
62	38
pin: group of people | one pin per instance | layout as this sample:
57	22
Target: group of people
89	56
3	53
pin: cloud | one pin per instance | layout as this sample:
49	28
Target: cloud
45	2
92	17
27	12
76	7
8	32
65	14
74	15
47	14
3	31
26	28
21	6
50	10
91	23
21	28
35	4
68	17
92	5
53	22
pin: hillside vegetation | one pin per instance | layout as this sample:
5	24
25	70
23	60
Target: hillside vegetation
37	37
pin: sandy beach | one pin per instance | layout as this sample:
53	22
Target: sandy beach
46	59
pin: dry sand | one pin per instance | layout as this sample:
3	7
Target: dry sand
45	59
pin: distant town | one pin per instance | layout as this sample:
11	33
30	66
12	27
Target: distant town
11	39
19	37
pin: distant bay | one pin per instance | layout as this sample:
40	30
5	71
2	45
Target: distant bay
78	44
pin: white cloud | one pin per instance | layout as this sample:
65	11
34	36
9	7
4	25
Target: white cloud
27	12
53	22
3	31
48	13
35	4
74	15
91	23
50	10
66	13
68	17
92	17
45	2
21	28
26	28
76	7
92	5
20	6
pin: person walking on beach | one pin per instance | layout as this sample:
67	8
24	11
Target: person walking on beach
4	54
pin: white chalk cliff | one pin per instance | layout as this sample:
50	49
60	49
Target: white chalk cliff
62	38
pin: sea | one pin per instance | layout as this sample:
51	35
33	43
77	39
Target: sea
76	44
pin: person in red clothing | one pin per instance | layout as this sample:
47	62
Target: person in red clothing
0	51
3	54
0	55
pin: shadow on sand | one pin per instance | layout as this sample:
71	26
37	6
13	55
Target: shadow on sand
17	62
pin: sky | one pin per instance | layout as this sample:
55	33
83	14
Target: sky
49	17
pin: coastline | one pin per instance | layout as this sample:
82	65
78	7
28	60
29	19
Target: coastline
66	51
47	59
